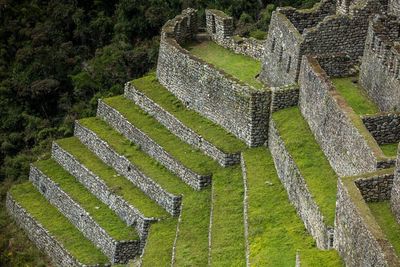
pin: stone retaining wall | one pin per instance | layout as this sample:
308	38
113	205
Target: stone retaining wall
148	145
384	127
379	73
284	97
238	107
220	28
294	33
298	192
178	128
358	237
117	251
171	203
128	213
330	121
42	238
395	197
375	188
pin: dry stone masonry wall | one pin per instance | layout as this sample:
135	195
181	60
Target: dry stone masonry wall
178	128
337	38
375	188
284	97
122	125
97	187
240	109
117	251
384	127
220	27
42	238
298	192
358	238
123	166
329	120
380	68
395	197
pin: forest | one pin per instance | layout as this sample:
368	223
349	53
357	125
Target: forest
58	57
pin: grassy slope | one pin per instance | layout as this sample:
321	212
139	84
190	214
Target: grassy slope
386	220
103	215
192	243
276	232
390	150
227	247
242	67
158	250
355	96
313	165
117	183
204	127
59	226
193	159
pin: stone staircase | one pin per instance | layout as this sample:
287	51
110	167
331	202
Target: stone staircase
121	173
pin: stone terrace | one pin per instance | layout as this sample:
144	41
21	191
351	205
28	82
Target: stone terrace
164	174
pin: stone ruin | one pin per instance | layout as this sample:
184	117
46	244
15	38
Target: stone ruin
303	50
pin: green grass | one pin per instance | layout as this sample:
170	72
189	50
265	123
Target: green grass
50	218
117	183
183	152
276	232
390	150
241	67
386	220
158	250
141	160
355	96
311	161
103	215
210	131
227	236
192	242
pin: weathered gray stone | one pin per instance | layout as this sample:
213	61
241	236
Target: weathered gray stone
42	238
148	145
131	215
176	127
171	203
298	192
358	238
118	251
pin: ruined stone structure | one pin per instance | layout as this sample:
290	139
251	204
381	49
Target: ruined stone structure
303	51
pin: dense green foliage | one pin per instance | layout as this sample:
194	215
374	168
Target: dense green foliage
58	57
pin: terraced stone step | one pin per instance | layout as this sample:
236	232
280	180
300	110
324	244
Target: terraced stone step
128	160
186	124
276	235
95	220
118	193
154	139
50	230
305	172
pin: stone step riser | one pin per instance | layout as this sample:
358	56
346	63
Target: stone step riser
116	251
148	145
176	127
298	192
123	166
97	187
41	237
